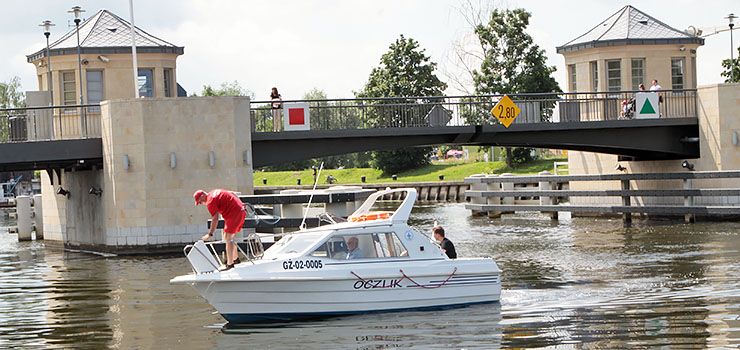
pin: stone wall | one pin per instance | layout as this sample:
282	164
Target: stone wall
149	205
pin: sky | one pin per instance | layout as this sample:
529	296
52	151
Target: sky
332	45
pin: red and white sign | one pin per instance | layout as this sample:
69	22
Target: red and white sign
296	116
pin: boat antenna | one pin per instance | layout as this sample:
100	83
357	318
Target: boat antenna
305	211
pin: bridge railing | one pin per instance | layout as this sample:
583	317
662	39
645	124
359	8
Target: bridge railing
49	123
82	121
391	112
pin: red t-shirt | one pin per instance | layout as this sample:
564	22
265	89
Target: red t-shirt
224	202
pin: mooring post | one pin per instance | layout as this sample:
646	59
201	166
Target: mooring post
477	186
688	201
626	216
546	185
495	187
508	186
23	208
38	216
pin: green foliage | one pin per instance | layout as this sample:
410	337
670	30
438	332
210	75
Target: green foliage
520	156
451	171
402	159
404	71
735	64
289	166
227	89
11	95
512	63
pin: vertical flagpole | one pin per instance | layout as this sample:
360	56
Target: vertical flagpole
133	49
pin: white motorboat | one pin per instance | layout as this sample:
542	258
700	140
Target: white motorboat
307	274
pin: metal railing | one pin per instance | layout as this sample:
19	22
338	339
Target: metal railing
390	112
49	123
252	250
664	196
83	121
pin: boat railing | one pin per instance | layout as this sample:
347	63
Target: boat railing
251	249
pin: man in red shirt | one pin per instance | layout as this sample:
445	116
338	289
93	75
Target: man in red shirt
231	208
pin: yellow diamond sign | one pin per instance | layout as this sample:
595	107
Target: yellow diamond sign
505	111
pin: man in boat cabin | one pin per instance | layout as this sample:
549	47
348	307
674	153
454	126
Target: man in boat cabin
231	208
444	243
354	251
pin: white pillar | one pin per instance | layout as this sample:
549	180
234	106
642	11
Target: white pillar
38	216
23	208
477	186
547	200
493	186
507	186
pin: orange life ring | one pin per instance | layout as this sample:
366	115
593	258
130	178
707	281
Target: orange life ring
370	216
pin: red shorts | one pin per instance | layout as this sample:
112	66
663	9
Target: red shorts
234	224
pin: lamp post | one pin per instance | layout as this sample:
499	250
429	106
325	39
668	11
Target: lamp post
731	18
77	11
47	27
47	32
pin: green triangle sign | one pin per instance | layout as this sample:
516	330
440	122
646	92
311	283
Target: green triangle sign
647	107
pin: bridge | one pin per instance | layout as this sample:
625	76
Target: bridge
68	137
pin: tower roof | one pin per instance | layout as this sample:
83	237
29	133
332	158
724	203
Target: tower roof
629	26
106	33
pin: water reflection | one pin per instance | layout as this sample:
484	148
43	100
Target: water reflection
569	283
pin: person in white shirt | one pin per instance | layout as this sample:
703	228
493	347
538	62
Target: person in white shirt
656	86
354	250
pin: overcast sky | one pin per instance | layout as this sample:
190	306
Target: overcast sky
329	44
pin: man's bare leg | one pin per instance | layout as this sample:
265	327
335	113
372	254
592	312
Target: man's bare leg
230	247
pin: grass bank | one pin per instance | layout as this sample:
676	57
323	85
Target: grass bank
452	171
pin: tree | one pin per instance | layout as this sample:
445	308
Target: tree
227	89
513	63
326	115
728	73
404	71
10	94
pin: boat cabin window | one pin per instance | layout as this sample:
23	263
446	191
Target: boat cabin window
362	246
293	244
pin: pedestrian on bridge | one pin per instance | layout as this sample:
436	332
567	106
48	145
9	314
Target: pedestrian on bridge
277	119
231	208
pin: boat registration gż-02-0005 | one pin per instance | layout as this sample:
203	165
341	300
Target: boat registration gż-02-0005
302	264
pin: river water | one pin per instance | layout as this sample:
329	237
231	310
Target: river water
573	283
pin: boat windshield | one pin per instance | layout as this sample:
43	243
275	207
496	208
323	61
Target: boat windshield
293	244
361	246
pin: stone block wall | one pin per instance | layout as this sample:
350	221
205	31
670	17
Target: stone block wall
151	203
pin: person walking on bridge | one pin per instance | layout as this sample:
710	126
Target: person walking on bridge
231	208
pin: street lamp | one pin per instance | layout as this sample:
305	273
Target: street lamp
47	32
731	18
77	11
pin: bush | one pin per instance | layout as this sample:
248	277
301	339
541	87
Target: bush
521	155
402	159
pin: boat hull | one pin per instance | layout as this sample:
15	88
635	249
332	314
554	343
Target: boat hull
286	300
